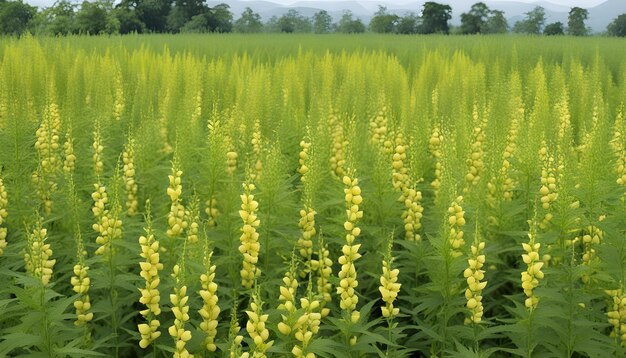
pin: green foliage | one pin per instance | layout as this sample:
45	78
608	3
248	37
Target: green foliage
618	26
576	22
249	22
322	22
533	22
475	21
435	18
14	17
348	25
383	22
554	29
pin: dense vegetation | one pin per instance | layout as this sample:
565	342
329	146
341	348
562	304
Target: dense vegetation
195	16
226	195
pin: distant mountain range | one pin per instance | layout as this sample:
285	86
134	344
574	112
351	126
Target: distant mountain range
599	16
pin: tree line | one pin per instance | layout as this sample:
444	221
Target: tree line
174	16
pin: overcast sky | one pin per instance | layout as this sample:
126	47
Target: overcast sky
582	3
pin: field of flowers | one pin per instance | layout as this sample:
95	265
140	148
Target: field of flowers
331	196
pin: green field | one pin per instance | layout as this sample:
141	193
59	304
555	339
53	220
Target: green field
303	195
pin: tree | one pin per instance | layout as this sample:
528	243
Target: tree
348	25
383	22
153	14
618	26
183	11
576	21
129	21
475	21
59	19
408	24
96	18
435	18
215	19
249	22
553	29
532	23
497	24
15	17
292	21
322	22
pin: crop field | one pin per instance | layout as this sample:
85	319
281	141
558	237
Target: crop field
312	196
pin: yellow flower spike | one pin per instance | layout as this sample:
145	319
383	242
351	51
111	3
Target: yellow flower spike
37	258
474	275
130	185
211	211
338	145
180	308
533	273
210	310
256	327
150	296
456	221
176	220
250	246
347	274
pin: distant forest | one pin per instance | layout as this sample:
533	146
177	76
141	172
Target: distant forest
194	16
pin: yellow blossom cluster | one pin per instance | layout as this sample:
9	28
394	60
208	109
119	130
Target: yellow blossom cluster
180	309
108	227
80	284
434	146
412	215
47	146
176	217
256	150
98	149
475	161
306	327
128	158
210	310
378	127
323	267
533	273
548	190
231	156
211	211
617	314
302	159
69	164
400	173
287	300
150	295
256	327
474	275
250	246
338	145
591	239
389	289
307	228
348	275
119	105
38	256
456	220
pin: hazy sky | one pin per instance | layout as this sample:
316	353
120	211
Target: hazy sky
582	3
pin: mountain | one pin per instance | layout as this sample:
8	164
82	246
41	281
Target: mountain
603	14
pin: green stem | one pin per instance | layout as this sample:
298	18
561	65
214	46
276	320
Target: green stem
46	333
113	296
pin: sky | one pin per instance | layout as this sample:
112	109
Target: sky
581	3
